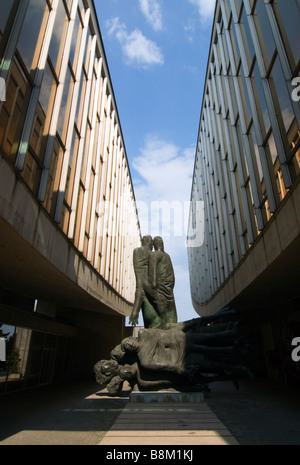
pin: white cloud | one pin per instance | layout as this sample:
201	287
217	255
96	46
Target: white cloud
141	50
162	187
137	49
166	169
152	12
206	8
189	30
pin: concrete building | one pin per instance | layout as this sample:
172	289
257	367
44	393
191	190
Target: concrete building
68	220
246	175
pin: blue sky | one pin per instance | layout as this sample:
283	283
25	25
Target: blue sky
157	54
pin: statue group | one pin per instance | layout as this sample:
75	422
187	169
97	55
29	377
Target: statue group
155	282
185	356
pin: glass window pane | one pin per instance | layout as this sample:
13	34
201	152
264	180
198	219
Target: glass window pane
261	103
281	93
81	9
255	153
28	40
290	18
5	7
247	37
234	44
36	138
271	147
72	168
55	168
46	87
32	172
87	49
76	36
58	33
13	110
65	105
80	100
245	99
264	32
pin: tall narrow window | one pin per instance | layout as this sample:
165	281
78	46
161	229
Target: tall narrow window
13	111
264	32
288	17
28	41
58	36
5	7
281	95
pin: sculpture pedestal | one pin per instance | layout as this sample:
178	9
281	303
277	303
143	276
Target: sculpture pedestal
166	396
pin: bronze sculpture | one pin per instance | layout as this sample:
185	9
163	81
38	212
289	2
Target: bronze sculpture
155	281
166	354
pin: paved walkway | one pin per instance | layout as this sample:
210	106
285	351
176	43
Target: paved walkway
63	414
168	424
261	412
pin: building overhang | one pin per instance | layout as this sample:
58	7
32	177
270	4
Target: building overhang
38	260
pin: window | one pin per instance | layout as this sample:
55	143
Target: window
45	92
53	180
75	44
260	101
264	32
72	167
58	35
247	39
13	111
288	19
65	106
5	7
28	42
294	143
281	95
32	171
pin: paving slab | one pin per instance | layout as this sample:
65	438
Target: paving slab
167	424
263	412
166	396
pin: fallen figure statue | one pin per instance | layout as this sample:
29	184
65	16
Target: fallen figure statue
185	356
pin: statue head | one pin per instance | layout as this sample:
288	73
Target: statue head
105	370
130	344
158	243
117	353
147	241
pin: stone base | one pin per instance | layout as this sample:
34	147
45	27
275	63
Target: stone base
166	396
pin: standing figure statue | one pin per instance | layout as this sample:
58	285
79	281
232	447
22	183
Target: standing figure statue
154	285
162	281
142	291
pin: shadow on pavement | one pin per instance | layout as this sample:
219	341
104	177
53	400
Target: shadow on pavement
73	413
261	412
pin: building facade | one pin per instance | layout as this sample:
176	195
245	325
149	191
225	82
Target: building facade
246	173
68	219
